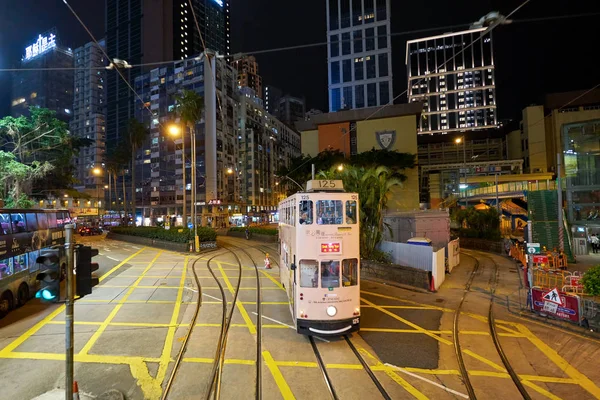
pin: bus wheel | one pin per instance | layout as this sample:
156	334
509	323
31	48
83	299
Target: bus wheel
6	303
23	294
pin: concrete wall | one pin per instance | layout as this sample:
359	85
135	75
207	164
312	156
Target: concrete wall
309	142
453	254
255	236
433	224
438	268
534	133
395	273
514	145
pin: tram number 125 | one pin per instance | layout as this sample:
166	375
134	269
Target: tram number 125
331	184
355	321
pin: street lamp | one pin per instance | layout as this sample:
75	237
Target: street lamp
97	172
458	141
340	167
175	130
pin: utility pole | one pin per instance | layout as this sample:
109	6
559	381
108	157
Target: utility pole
70	306
497	200
561	233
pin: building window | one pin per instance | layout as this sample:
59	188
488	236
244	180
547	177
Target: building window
336	100
333	15
383	64
335	72
371	69
345	12
384	93
358	44
359	96
347	97
381	10
347	70
382	37
334	45
370	39
369	12
371	94
346	43
359	69
356	13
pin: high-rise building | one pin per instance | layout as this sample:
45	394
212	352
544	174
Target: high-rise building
251	146
144	31
44	88
271	98
291	109
359	53
89	115
454	76
248	76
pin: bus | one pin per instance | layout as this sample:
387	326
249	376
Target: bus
319	247
24	233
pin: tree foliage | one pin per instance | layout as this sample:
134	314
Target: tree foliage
43	151
374	186
591	281
300	168
484	224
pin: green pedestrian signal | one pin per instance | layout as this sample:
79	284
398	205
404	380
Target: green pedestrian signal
49	277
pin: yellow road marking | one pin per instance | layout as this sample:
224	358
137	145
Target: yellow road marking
395	377
227	361
407	322
267	275
238	304
541	390
284	388
485	360
168	345
402	307
567	368
116	267
177	287
31	331
114	312
481	333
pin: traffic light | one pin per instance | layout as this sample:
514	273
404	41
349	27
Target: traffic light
49	276
84	275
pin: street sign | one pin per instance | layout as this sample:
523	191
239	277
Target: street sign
553	297
540	259
533	248
550	307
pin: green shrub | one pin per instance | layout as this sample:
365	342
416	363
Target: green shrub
175	234
591	281
257	230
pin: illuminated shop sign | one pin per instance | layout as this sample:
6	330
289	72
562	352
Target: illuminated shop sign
42	45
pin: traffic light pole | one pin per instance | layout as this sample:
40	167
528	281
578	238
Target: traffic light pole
70	303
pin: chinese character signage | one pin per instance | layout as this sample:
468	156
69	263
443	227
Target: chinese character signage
330	248
42	45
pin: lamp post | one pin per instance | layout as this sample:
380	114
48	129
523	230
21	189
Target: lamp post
459	141
174	130
97	172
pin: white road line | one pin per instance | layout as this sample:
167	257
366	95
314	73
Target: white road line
289	326
427	380
112	258
135	247
208	295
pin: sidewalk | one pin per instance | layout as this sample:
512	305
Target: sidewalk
585	262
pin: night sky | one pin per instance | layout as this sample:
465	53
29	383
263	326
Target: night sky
532	58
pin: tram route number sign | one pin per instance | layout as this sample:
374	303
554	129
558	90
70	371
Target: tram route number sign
331	248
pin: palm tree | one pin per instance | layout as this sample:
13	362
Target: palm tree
137	132
190	106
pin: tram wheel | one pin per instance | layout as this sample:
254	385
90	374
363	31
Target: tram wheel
23	294
6	303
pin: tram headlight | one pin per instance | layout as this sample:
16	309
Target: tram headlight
331	311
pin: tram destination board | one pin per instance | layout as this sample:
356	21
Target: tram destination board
331	248
325	185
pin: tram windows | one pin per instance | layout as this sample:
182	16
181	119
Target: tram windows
5	224
51	220
330	274
18	222
42	221
350	272
351	212
306	212
309	273
329	212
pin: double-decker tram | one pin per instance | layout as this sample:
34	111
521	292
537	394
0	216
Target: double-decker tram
24	234
319	258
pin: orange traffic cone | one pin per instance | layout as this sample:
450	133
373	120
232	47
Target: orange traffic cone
432	285
267	261
75	391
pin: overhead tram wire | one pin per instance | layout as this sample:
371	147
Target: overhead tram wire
380	108
306	46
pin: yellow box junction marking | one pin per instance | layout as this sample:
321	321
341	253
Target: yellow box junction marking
111	316
284	388
238	303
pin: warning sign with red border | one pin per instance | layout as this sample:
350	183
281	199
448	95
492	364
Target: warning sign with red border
553	297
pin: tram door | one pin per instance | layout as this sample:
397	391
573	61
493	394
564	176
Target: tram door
291	288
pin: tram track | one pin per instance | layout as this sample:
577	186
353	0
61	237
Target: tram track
327	379
493	283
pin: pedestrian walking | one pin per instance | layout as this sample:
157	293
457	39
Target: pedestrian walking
595	243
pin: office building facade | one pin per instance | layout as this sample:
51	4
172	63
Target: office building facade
44	88
250	147
291	109
359	53
89	116
248	75
454	76
271	97
145	31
